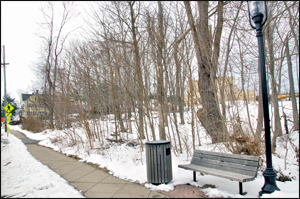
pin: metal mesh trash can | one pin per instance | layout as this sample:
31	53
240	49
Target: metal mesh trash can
159	162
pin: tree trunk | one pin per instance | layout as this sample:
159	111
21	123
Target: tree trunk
292	27
139	73
112	88
292	89
243	89
222	87
259	126
277	130
178	84
160	83
209	115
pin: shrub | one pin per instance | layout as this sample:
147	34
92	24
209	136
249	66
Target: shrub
281	177
33	124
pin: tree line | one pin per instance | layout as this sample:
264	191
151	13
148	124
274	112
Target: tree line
135	58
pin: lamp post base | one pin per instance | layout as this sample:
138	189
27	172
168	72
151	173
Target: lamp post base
270	182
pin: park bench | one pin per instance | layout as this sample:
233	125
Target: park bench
241	168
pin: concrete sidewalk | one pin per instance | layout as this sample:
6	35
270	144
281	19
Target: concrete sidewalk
92	181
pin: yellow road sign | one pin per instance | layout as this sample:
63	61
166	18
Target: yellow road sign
9	108
8	114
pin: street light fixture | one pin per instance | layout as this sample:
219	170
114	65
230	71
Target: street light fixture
258	14
257	8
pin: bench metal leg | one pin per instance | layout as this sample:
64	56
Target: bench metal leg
194	176
241	189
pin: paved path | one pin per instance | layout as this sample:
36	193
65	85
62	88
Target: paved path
93	182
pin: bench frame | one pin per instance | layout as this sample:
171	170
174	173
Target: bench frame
241	168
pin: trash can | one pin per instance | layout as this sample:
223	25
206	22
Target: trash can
159	161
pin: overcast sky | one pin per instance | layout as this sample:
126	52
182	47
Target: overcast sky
18	35
21	44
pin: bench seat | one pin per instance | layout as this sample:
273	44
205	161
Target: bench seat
219	173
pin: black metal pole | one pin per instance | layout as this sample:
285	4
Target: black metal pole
269	174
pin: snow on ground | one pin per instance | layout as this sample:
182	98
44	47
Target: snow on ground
22	176
118	158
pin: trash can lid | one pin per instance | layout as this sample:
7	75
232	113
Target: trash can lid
158	142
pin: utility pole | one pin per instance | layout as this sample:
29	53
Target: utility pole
5	102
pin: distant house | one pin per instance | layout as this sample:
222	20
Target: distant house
231	91
32	105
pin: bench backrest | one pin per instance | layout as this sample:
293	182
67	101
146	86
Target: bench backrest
243	164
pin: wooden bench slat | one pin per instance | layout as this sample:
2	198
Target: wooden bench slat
228	159
219	173
227	166
238	156
199	160
246	166
225	159
238	171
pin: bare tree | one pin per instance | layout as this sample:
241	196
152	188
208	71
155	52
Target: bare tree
133	18
222	94
160	75
53	40
209	115
292	89
269	37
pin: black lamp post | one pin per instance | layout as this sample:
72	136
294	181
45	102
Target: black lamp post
258	13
